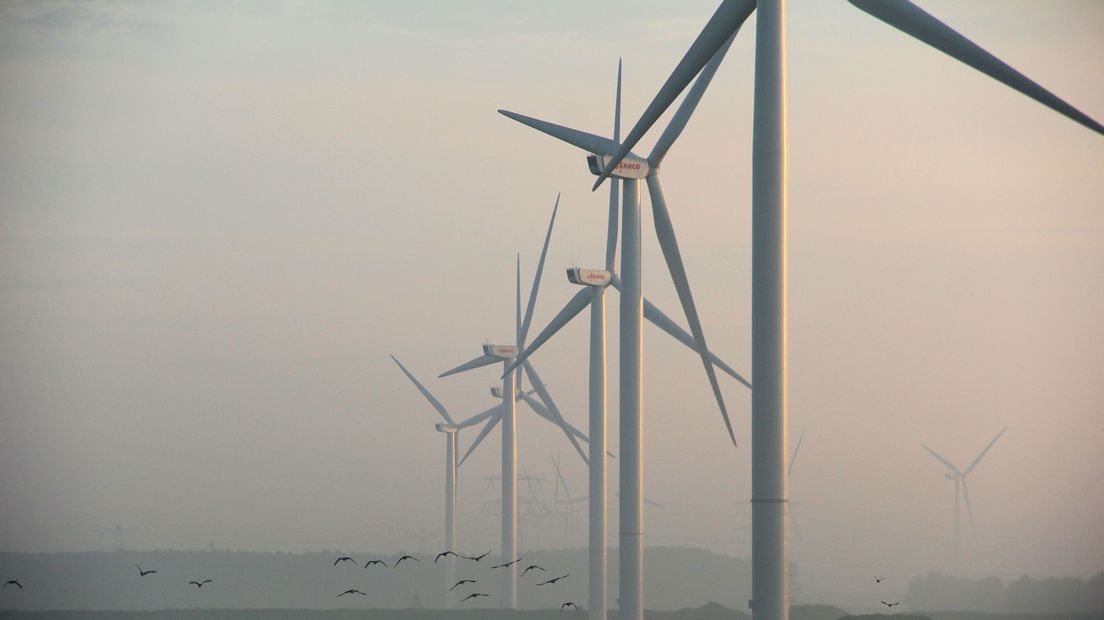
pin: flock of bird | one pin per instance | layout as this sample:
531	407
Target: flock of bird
878	579
462	582
443	554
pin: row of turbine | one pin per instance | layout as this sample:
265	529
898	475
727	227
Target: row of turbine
515	357
613	159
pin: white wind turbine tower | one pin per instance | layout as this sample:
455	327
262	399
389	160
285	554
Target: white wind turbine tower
960	490
507	415
631	171
595	282
451	429
770	578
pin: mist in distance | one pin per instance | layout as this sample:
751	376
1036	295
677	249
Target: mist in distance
217	222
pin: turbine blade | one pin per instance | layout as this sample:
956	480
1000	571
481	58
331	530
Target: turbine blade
479	362
793	459
914	21
517	317
979	457
553	410
615	185
617	106
665	232
568	430
524	331
969	509
574	306
586	141
942	460
793	522
688	105
725	21
487	428
517	305
479	417
664	322
421	388
540	409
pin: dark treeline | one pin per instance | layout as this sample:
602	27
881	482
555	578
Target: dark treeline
677	578
712	611
936	591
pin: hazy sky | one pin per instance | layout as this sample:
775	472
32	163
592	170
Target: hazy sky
218	219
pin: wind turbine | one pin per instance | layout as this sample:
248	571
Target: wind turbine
770	579
959	477
507	415
789	474
451	429
633	307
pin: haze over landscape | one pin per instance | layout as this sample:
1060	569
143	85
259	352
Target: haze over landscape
217	220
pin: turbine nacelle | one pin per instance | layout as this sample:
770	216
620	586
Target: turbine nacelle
589	277
446	428
951	476
501	351
631	167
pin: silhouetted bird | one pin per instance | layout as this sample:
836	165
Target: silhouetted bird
507	564
878	579
344	558
476	558
200	584
371	562
143	573
529	568
461	582
443	554
891	604
13	582
554	580
405	557
351	591
568	604
475	595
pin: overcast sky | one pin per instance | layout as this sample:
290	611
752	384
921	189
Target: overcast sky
218	219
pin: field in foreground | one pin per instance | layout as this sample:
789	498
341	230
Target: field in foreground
712	611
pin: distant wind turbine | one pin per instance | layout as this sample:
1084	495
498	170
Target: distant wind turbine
507	413
959	478
451	430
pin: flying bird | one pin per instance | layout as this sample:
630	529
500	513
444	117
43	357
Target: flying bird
461	582
371	562
443	554
476	558
568	604
529	568
554	580
891	604
143	573
405	557
13	582
199	584
507	564
474	595
344	558
878	579
351	591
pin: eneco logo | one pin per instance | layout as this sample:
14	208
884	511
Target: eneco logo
628	166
